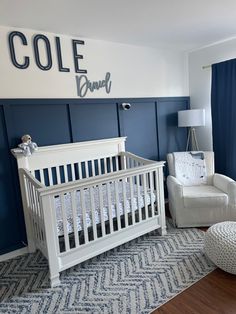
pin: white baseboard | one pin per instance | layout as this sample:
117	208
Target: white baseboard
13	254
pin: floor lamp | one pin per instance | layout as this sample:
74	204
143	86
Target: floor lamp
191	118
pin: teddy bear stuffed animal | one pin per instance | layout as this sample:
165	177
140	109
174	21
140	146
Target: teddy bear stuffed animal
27	146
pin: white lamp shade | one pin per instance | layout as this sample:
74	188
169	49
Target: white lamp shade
191	118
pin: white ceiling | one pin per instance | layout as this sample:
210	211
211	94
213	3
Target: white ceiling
177	24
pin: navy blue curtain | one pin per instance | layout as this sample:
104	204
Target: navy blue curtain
223	107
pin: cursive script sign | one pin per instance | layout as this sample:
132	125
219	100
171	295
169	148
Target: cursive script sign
84	84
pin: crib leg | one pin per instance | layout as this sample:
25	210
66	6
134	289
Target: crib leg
55	280
31	247
162	231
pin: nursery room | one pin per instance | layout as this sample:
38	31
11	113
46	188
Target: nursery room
117	145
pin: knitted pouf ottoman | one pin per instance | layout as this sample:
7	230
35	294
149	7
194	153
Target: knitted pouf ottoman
220	245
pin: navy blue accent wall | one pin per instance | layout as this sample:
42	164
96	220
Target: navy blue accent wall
10	233
47	123
150	125
140	126
92	121
170	137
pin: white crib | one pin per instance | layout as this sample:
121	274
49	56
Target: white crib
85	198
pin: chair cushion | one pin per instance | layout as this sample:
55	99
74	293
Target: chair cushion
204	196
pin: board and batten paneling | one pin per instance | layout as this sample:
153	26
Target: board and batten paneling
171	138
48	124
150	126
94	120
140	126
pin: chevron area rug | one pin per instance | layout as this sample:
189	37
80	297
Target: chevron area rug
136	277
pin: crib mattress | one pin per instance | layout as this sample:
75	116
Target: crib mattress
137	202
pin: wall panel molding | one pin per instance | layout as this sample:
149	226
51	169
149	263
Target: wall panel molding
150	124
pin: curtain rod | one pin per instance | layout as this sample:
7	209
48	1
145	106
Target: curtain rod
206	66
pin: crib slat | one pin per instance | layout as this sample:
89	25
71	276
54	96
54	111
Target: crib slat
58	175
123	162
91	191
65	173
161	196
111	164
40	210
138	198
64	218
40	219
117	205
99	167
36	215
124	202
73	172
157	193
85	228
131	163
50	176
30	200
132	199
126	162
42	176
93	167
80	170
86	169
75	215
105	165
101	209
145	194
151	192
117	163
109	207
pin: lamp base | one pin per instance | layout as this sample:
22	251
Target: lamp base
192	143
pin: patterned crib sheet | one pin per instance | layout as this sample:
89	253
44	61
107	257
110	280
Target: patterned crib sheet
137	201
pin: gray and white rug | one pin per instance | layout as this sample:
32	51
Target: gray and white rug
136	277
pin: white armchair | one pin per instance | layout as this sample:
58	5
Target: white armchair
201	205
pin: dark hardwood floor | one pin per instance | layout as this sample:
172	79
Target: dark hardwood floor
213	294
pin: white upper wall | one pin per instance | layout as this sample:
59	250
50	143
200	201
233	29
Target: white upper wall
200	83
136	71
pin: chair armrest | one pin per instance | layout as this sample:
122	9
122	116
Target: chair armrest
222	182
227	185
232	193
174	186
